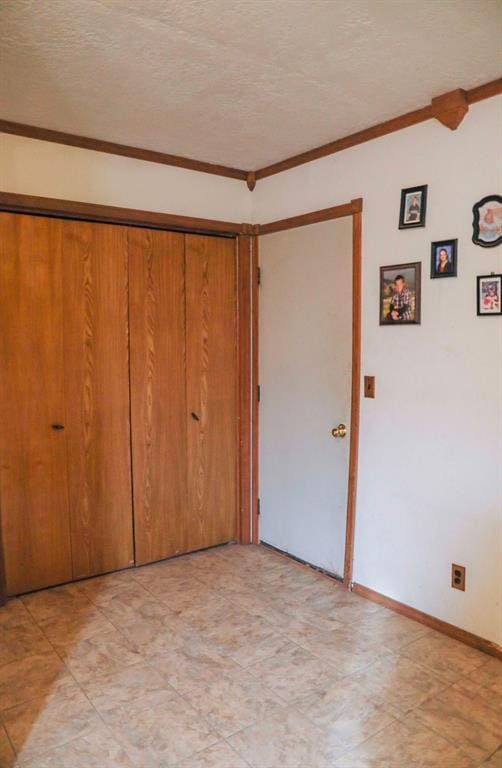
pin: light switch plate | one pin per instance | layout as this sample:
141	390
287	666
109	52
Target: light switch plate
369	386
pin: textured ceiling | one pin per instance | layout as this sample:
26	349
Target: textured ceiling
238	82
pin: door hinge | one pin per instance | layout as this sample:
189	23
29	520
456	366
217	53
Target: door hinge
258	393
258	275
258	507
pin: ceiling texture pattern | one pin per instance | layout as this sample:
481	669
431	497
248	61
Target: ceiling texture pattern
243	83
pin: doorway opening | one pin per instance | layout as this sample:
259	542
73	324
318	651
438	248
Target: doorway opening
309	360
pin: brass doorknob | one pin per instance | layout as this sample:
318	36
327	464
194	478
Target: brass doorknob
339	431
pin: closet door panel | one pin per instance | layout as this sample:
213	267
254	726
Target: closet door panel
158	397
97	396
211	389
33	469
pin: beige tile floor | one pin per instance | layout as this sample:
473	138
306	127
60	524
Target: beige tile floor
232	658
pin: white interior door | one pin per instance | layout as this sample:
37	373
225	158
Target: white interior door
305	376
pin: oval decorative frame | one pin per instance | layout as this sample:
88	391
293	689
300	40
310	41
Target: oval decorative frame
476	239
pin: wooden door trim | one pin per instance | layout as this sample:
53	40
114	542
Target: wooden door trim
244	362
255	382
353	209
3	585
313	217
110	214
355	400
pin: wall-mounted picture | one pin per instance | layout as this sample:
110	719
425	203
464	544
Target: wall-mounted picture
413	207
444	258
489	291
487	221
400	294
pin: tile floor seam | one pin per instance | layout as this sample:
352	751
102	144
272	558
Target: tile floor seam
189	703
206	720
401	718
79	686
363	741
45	751
381	730
434	672
450	741
225	739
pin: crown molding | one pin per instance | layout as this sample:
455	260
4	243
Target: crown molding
449	108
111	148
443	103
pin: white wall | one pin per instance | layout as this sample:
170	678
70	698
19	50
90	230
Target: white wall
41	168
430	454
429	490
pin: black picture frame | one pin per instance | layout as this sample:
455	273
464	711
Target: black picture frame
412	273
489	311
410	219
478	224
450	269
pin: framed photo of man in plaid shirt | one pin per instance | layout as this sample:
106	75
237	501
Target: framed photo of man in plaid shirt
400	294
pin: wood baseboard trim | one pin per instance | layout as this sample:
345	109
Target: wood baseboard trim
71	209
468	638
124	150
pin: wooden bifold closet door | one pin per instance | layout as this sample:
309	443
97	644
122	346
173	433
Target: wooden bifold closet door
96	372
33	461
118	397
158	392
183	391
211	390
65	479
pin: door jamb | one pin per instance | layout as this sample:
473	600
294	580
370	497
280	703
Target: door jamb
353	209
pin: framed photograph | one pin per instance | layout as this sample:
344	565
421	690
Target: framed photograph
413	207
400	294
487	221
444	258
489	292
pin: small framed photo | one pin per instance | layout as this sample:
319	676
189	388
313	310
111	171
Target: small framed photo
413	207
487	222
489	291
444	258
400	294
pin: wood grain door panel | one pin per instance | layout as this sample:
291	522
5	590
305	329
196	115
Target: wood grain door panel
158	397
33	464
211	389
97	396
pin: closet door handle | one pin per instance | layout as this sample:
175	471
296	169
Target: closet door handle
57	427
194	416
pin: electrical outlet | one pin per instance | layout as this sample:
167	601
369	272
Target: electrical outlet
458	577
